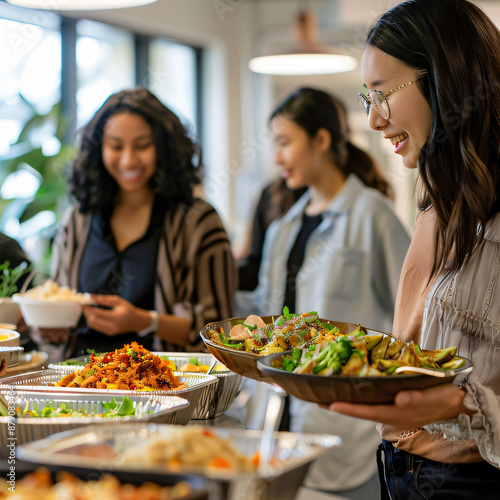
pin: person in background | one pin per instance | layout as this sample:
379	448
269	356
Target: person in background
11	251
275	200
156	259
433	72
339	251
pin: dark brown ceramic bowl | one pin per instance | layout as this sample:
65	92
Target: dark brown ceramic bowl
325	390
245	363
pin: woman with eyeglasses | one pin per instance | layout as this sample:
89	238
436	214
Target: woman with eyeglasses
433	73
338	250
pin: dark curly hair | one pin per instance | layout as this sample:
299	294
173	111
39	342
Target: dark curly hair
178	162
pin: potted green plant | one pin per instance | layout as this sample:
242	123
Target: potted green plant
9	281
47	166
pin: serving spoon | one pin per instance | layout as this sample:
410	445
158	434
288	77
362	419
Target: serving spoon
271	423
431	372
212	366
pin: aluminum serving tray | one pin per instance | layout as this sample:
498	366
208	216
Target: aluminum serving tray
227	388
163	410
10	354
99	447
200	391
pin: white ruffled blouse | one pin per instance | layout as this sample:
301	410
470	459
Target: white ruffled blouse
463	309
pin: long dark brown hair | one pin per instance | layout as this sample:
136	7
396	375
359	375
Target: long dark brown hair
458	47
178	156
314	109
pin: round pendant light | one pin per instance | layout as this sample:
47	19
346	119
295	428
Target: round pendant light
79	4
307	56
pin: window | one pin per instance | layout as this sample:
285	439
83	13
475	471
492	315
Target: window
104	65
30	72
172	77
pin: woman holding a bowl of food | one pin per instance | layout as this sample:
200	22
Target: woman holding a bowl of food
440	64
155	259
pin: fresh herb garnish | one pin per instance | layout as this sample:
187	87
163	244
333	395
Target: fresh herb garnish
132	354
286	312
250	327
329	327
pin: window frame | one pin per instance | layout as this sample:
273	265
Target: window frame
67	28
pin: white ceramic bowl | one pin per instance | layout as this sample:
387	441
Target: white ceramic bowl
49	314
9	311
8	338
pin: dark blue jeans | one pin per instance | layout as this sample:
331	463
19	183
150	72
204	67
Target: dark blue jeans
404	476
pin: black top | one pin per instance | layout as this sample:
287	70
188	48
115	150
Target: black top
248	268
129	273
296	258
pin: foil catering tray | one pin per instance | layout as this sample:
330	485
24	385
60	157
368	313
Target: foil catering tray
97	448
159	409
200	390
10	354
227	388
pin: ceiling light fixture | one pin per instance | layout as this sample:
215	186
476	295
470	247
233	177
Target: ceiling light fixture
308	56
79	4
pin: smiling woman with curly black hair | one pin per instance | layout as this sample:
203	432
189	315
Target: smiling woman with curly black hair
157	259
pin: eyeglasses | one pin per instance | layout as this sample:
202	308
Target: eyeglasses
379	100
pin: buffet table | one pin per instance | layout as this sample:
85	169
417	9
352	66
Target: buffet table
216	490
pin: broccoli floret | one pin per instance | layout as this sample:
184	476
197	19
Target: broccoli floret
334	355
291	362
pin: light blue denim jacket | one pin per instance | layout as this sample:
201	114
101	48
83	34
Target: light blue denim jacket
352	262
350	273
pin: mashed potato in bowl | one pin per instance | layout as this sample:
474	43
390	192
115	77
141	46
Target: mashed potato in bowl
52	292
51	306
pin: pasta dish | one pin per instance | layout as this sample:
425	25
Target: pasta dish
130	368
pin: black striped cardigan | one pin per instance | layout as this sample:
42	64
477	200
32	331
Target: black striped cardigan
195	276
